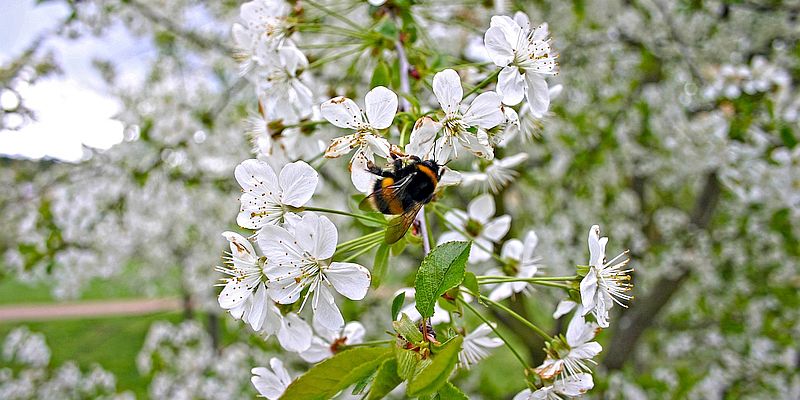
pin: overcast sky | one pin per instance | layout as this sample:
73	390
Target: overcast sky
72	109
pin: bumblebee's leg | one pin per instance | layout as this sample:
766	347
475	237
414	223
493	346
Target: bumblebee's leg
374	169
415	158
397	164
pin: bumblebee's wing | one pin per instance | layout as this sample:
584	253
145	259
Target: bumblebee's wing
399	225
392	194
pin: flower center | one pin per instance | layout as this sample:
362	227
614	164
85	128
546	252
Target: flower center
473	228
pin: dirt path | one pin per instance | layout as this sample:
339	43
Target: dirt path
102	308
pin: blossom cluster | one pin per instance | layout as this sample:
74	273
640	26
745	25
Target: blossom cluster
293	261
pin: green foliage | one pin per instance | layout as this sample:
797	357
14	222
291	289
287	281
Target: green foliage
397	304
329	377
381	265
449	392
471	282
433	376
406	328
440	271
381	76
385	381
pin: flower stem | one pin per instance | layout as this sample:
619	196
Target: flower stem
542	283
533	279
335	14
483	83
349	214
529	324
366	249
496	332
372	343
334	57
357	242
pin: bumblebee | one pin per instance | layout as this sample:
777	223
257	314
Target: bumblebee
402	190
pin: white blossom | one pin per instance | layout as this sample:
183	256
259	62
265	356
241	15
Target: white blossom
571	387
285	95
520	263
267	198
476	346
497	175
272	382
381	105
477	225
300	259
565	363
607	282
328	342
526	58
483	113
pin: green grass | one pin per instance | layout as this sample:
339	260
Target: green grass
111	342
123	286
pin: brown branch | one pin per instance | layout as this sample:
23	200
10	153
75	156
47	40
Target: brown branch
644	311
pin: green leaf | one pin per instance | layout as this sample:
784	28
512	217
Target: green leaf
407	329
432	377
329	377
381	76
381	265
407	361
361	385
397	304
385	381
471	283
449	392
442	269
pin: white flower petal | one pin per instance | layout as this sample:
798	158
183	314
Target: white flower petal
538	95
588	291
523	395
241	248
256	315
502	291
381	105
531	241
294	334
480	250
298	181
342	112
451	236
499	49
378	145
511	86
317	235
597	246
511	30
326	313
423	138
363	180
575	385
485	111
448	90
354	332
341	146
233	294
481	208
478	144
522	20
563	307
512	249
579	331
318	351
349	279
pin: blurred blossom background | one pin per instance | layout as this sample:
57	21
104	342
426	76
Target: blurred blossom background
677	131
